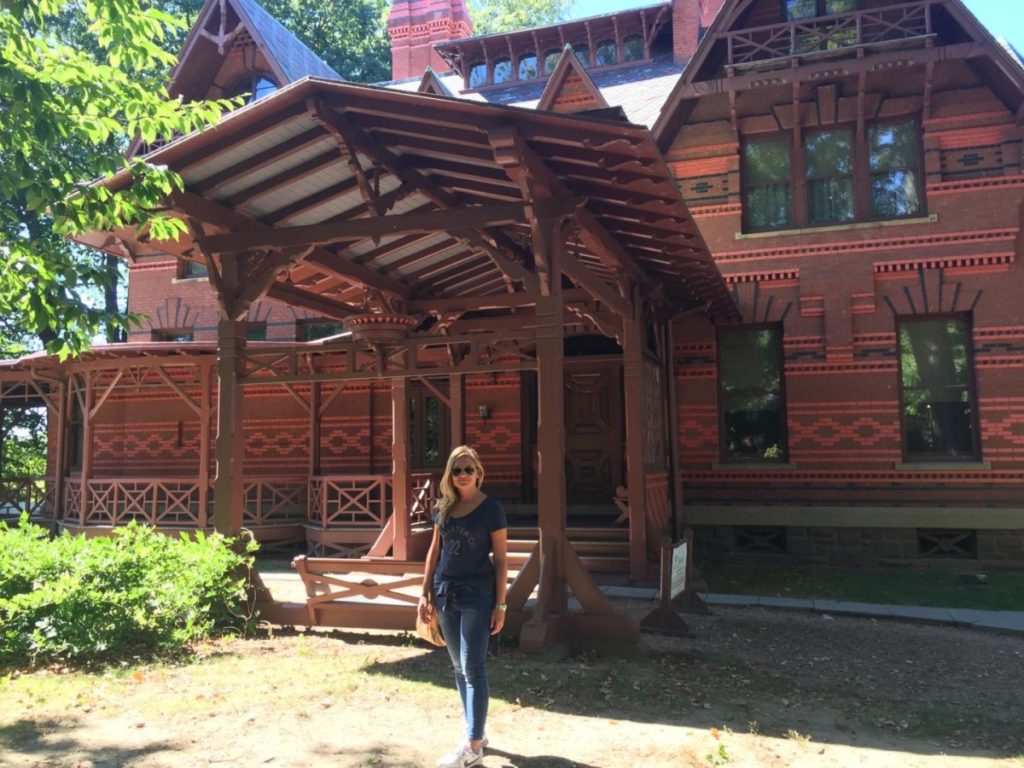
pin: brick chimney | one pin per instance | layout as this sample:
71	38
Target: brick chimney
416	26
690	19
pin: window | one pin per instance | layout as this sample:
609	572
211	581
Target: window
835	178
477	75
317	329
253	86
192	269
551	61
893	158
168	334
751	397
828	159
502	70
582	52
937	389
808	9
766	185
428	429
528	67
633	48
605	54
255	331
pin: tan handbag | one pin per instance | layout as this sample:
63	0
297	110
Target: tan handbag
430	630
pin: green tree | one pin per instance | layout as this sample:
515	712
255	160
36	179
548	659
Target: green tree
77	80
490	16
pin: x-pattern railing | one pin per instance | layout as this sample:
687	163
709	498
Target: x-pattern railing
424	492
33	495
350	500
154	501
331	581
833	32
276	500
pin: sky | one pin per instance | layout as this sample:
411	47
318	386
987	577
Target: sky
1000	16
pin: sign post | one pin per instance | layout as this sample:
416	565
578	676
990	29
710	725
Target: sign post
676	590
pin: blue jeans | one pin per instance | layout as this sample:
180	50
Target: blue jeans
465	617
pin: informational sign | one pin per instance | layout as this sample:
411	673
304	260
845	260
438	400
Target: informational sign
679	570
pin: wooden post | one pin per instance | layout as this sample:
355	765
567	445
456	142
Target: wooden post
457	409
400	466
633	381
229	486
87	429
60	458
205	407
314	429
672	432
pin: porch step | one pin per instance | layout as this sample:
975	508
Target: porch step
601	549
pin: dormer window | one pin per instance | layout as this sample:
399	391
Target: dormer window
502	70
253	86
551	61
633	48
528	67
478	75
796	10
605	54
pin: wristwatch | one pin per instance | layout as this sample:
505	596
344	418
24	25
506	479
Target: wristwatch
501	607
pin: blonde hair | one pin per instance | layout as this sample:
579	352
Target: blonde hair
449	493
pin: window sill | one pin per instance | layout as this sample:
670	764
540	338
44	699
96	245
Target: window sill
930	219
753	466
943	466
177	280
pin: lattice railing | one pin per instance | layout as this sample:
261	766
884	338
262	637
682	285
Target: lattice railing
72	507
276	500
424	490
658	501
825	33
33	495
357	501
154	501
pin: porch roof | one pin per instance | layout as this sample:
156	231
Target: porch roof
370	196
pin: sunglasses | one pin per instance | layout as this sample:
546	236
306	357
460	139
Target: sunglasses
456	471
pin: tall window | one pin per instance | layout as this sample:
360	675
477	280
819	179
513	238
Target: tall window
828	158
606	54
428	429
582	52
766	184
808	9
551	61
253	86
191	269
478	75
937	389
751	387
633	48
893	159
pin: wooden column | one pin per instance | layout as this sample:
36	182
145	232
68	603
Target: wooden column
457	408
314	429
229	486
400	466
672	432
633	384
87	430
205	408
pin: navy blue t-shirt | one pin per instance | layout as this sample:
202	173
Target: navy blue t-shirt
466	546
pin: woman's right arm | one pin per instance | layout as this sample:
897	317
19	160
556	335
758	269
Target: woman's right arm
428	575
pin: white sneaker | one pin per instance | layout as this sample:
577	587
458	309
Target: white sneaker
464	756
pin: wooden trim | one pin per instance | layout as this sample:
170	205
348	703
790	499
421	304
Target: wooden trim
979	518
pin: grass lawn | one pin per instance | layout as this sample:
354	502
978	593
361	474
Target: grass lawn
1001	591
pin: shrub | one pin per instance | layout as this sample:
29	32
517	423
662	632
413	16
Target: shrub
75	599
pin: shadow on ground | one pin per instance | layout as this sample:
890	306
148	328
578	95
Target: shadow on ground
47	742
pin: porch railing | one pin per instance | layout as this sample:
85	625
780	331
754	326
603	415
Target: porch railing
424	490
158	501
827	33
276	500
357	501
33	495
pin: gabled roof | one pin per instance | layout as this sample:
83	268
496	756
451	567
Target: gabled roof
431	83
288	57
1004	66
570	88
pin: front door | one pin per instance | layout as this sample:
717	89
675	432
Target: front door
593	432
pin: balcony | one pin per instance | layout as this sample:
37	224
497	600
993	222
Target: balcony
826	36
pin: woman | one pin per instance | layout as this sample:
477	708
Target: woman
465	578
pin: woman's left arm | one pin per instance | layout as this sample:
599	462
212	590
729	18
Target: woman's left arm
499	549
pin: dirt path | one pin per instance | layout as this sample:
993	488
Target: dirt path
753	688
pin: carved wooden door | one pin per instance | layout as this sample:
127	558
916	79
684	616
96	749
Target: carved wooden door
593	433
